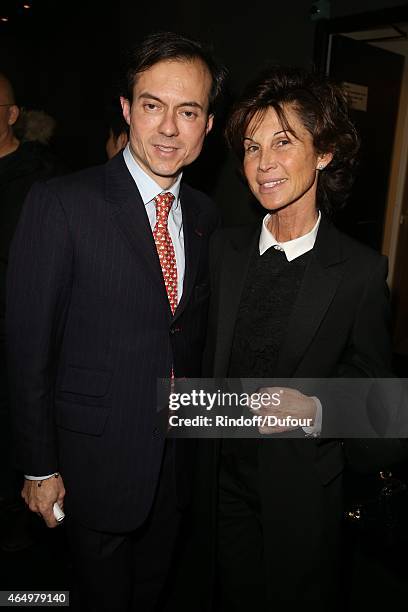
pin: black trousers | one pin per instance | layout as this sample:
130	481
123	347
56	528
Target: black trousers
11	482
128	572
241	583
276	557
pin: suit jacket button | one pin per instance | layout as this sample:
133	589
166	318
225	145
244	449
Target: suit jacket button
175	330
156	432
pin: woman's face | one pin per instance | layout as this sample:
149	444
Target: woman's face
281	168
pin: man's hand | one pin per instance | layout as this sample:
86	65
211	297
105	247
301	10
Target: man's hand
286	405
41	499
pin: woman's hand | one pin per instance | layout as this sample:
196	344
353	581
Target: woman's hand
283	409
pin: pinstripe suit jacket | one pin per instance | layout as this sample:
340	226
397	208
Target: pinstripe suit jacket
89	332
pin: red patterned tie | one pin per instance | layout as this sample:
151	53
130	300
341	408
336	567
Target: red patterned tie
165	248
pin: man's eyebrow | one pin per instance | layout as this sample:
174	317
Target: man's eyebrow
192	103
148	96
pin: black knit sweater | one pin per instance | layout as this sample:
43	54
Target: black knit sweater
268	296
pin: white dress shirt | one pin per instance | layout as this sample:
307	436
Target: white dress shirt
293	249
148	190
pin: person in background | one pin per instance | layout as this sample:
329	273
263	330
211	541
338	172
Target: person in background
118	132
22	162
35	125
107	293
292	298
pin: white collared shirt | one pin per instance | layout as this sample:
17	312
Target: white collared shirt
293	249
148	190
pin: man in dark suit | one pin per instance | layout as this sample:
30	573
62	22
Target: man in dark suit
22	162
107	293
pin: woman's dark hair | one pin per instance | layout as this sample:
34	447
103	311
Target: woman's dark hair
322	108
161	46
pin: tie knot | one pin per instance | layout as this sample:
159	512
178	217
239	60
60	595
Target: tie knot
163	202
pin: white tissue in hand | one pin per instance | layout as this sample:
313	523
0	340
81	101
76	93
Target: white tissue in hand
58	513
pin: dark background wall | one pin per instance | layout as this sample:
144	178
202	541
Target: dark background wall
63	58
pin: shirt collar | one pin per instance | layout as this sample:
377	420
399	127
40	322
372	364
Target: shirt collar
147	187
292	248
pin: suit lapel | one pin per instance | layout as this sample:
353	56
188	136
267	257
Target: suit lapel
318	288
130	217
193	233
237	255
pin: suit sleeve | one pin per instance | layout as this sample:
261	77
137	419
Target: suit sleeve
38	290
215	247
369	352
369	355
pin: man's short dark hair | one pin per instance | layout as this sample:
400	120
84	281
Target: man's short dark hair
161	46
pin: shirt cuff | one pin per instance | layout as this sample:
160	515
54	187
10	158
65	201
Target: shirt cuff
27	477
316	429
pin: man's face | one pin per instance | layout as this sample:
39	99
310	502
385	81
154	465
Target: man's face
8	113
4	121
168	117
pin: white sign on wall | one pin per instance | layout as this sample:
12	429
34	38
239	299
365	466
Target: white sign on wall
357	95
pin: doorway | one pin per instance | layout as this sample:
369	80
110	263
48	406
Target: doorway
368	54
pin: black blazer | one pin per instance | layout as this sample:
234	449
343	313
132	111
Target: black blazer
343	298
338	327
89	332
